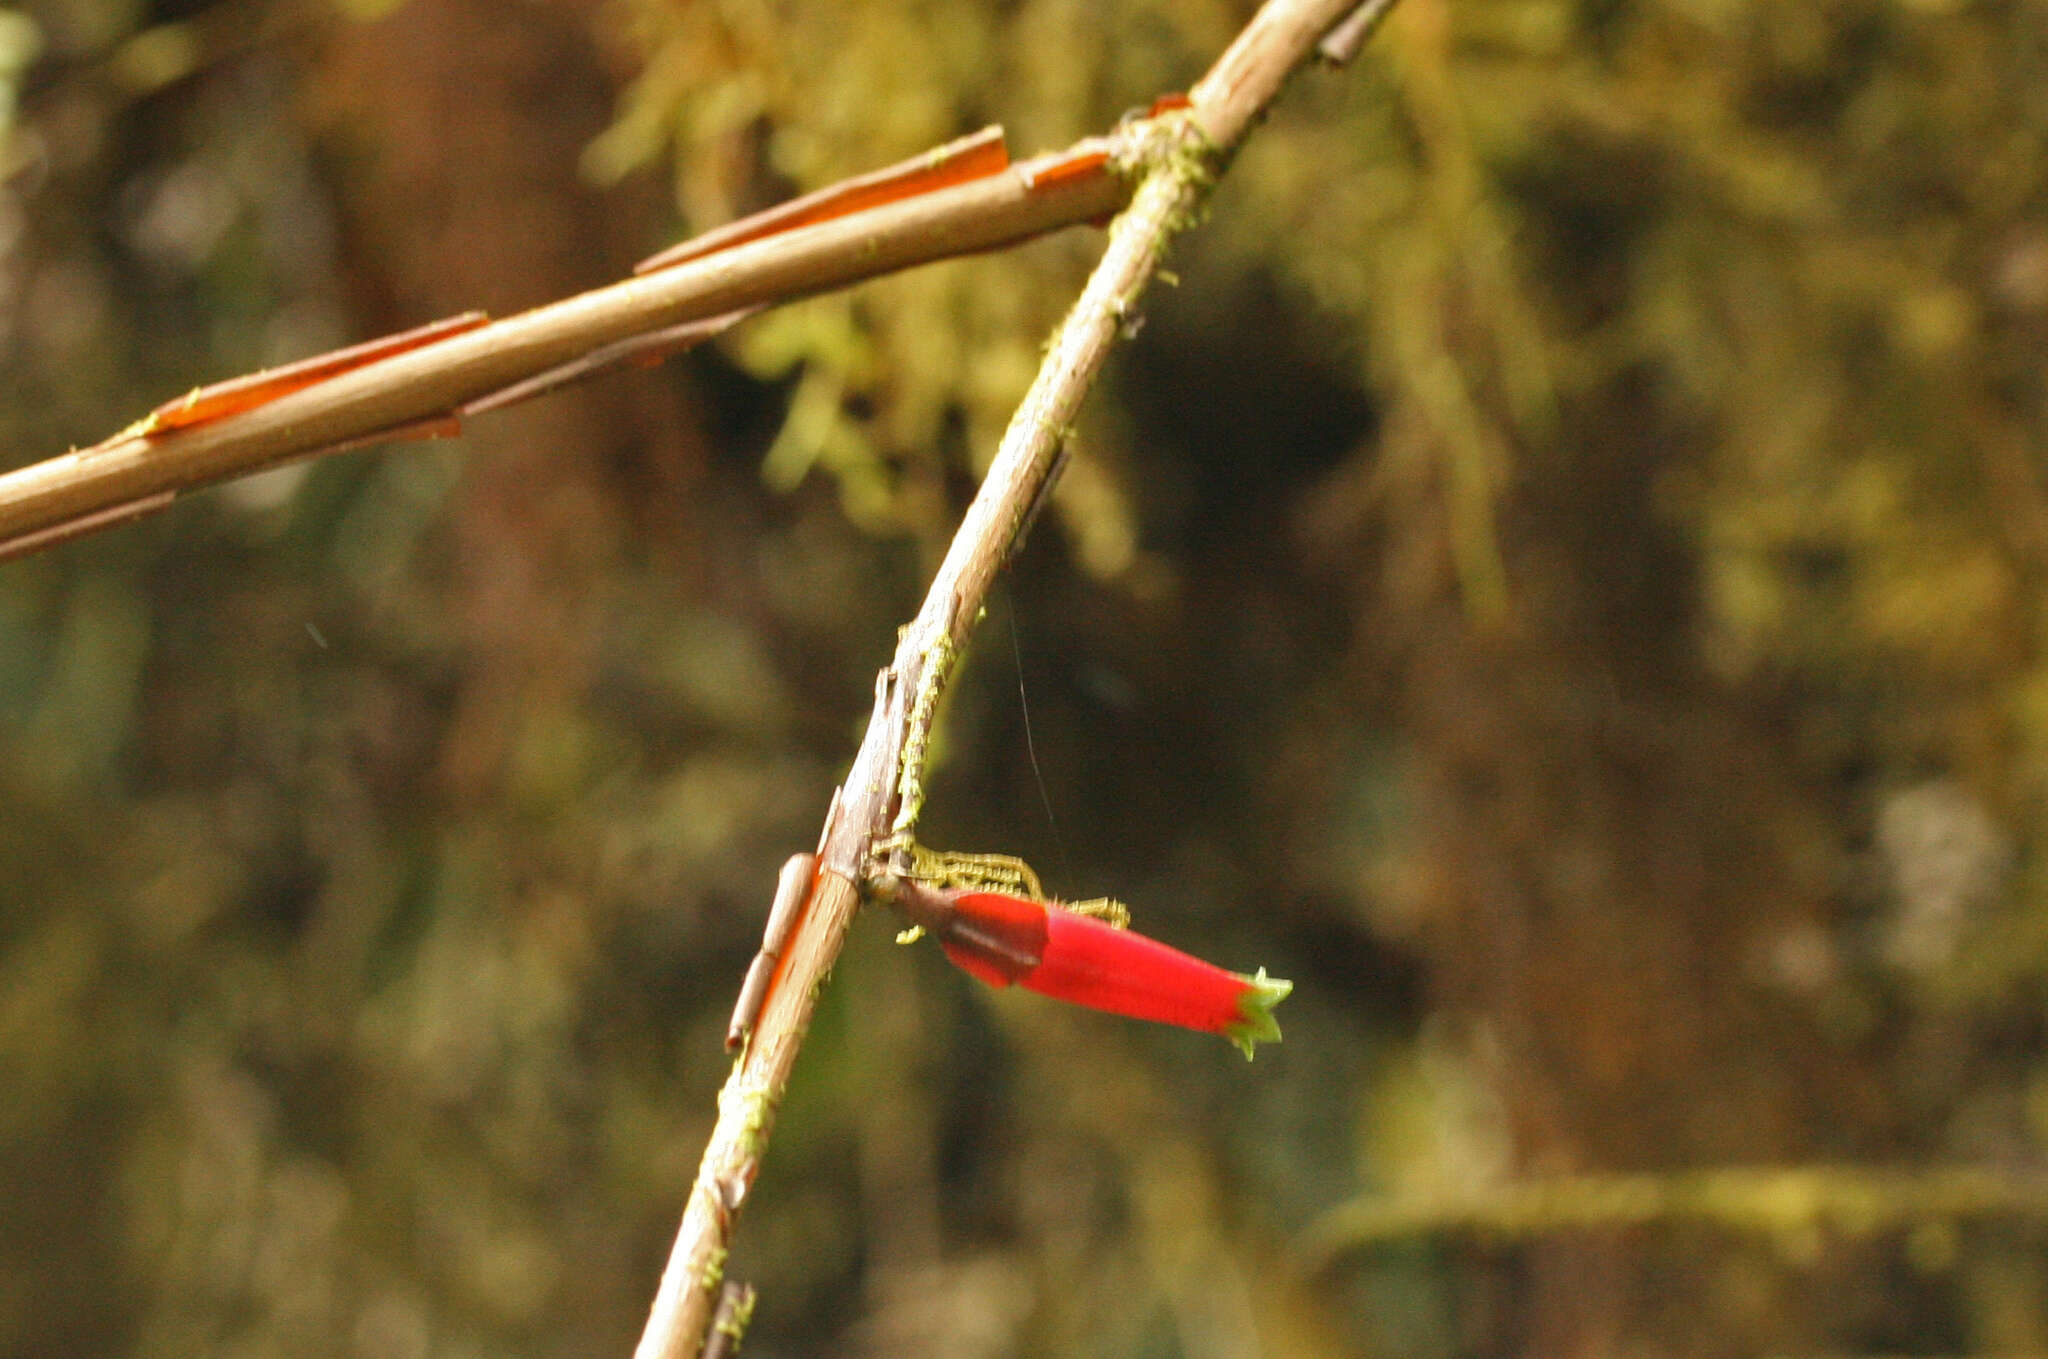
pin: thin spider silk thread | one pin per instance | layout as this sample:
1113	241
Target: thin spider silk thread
1031	745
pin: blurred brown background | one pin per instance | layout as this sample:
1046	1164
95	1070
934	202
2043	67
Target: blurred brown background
1560	578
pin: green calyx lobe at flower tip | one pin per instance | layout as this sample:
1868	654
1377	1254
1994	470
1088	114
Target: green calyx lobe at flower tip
1255	1022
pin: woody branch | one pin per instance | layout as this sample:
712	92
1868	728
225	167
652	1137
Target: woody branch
136	471
1179	156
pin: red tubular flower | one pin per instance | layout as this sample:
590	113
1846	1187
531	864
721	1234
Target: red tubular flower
1004	939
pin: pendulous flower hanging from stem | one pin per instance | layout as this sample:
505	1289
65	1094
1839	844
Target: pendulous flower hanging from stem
1073	955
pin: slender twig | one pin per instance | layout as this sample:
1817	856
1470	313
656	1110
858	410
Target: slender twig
1178	155
1789	1201
1344	42
420	391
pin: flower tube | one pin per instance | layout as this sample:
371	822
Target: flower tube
1006	940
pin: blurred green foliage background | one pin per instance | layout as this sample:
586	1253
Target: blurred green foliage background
1560	578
